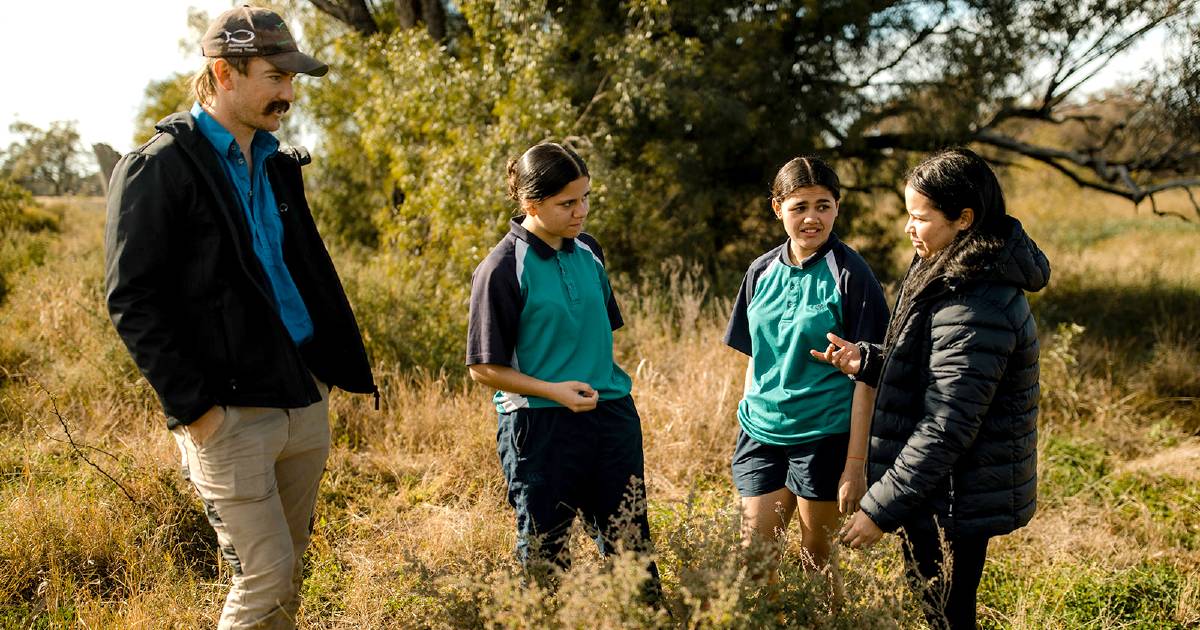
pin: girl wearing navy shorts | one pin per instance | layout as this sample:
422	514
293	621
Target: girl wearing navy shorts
540	331
802	445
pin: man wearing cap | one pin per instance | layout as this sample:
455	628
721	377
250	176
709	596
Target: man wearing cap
221	288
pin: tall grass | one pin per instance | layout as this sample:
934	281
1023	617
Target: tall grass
413	531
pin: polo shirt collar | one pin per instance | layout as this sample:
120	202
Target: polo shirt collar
811	259
543	249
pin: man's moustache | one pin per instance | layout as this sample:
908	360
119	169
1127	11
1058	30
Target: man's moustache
277	106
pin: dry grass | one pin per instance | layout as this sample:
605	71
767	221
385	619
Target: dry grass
413	530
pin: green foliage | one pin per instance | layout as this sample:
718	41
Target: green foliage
1144	596
415	142
162	98
48	161
1069	466
23	224
14	200
1167	503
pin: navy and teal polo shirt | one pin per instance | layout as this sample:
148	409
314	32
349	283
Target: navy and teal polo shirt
546	313
782	312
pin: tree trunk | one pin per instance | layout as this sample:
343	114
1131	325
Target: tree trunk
406	13
107	158
434	14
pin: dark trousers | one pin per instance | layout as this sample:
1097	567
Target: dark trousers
559	464
948	602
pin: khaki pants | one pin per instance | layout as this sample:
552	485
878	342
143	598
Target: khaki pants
257	475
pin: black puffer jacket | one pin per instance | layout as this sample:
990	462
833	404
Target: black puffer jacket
190	298
954	433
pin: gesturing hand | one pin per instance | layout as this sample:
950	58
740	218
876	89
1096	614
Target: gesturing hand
842	354
575	395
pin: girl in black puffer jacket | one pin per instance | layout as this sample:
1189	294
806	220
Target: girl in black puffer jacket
953	451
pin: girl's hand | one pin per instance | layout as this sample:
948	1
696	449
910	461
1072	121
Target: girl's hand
860	531
842	354
851	488
574	395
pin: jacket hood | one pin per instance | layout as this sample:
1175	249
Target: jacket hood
1012	259
177	124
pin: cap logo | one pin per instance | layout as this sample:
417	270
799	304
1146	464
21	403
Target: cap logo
241	40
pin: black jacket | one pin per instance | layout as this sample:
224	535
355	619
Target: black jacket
954	433
189	297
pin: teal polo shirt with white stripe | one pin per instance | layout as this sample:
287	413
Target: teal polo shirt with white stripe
546	313
783	311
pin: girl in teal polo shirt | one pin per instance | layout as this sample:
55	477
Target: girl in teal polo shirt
540	331
802	444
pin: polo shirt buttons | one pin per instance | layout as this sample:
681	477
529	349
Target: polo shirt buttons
568	283
793	292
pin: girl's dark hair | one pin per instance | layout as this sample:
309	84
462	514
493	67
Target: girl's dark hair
542	171
958	178
954	179
801	172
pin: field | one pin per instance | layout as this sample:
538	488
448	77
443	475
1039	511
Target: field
98	530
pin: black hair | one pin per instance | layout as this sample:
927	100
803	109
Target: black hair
542	171
801	172
954	179
957	178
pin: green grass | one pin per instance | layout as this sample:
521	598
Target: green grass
1072	596
1070	465
1168	504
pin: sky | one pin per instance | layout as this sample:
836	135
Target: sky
110	51
90	61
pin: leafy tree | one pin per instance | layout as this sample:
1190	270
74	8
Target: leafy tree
48	161
162	98
13	202
685	109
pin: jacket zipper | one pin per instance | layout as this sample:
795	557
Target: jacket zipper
950	509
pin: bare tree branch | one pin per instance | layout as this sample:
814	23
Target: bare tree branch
1164	213
1108	55
78	448
917	40
596	95
1107	173
353	13
1192	197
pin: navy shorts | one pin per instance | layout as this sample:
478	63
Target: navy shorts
810	470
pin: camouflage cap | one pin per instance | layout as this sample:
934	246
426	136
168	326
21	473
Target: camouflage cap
248	31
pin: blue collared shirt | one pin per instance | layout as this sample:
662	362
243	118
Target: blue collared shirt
266	229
